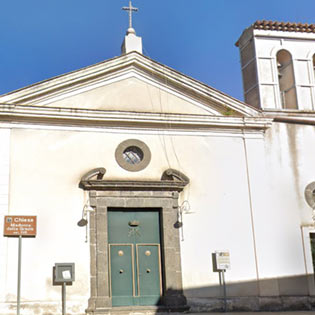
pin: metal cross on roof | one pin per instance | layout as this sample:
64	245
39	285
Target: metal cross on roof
130	9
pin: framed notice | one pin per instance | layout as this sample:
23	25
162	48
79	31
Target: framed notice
221	260
17	225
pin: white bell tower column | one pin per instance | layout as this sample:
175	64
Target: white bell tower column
277	62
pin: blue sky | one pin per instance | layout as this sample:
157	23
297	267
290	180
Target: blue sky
41	39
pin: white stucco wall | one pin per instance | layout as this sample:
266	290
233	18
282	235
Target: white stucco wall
290	165
246	196
4	192
222	219
268	226
45	183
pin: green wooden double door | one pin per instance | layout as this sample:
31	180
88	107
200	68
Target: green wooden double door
134	256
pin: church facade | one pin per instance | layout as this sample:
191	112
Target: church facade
138	174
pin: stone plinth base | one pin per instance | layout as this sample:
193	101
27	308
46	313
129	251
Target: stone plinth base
248	304
44	307
138	310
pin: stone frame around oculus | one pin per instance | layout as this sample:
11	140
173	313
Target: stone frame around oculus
162	194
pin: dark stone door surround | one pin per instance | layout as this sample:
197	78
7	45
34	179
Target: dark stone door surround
162	194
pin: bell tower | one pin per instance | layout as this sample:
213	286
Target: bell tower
278	61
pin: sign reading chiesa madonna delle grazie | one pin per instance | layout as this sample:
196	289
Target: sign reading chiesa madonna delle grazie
15	226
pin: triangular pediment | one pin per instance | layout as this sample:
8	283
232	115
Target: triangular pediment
130	93
130	83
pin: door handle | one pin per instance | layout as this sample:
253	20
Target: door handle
121	271
148	270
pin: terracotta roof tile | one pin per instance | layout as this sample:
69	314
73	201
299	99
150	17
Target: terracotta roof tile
284	26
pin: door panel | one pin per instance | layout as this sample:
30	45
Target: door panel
149	273
133	226
135	261
122	273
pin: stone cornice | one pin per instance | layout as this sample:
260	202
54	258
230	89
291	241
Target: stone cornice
110	119
289	113
132	185
291	116
171	180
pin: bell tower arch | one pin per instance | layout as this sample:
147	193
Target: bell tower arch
277	67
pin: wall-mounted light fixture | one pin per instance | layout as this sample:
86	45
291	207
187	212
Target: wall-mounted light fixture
84	221
86	209
184	208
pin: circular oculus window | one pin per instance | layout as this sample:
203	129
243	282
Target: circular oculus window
133	155
310	194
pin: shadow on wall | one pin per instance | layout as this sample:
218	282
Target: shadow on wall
172	301
275	294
